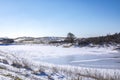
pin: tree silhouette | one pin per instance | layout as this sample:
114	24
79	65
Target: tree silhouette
70	38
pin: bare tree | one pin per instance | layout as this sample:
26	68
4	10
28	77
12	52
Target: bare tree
70	37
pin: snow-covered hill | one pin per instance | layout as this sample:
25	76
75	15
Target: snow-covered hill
39	40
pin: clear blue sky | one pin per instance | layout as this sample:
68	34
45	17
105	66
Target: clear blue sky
36	18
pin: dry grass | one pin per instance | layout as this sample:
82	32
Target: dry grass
70	73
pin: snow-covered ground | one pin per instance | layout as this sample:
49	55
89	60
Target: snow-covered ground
43	62
86	57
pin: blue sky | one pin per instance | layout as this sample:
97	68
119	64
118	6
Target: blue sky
36	18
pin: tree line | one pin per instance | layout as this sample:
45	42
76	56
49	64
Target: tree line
100	40
108	39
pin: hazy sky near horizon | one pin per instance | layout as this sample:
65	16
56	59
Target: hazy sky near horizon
36	18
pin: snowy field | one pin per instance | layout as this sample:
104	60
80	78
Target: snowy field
43	62
106	58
